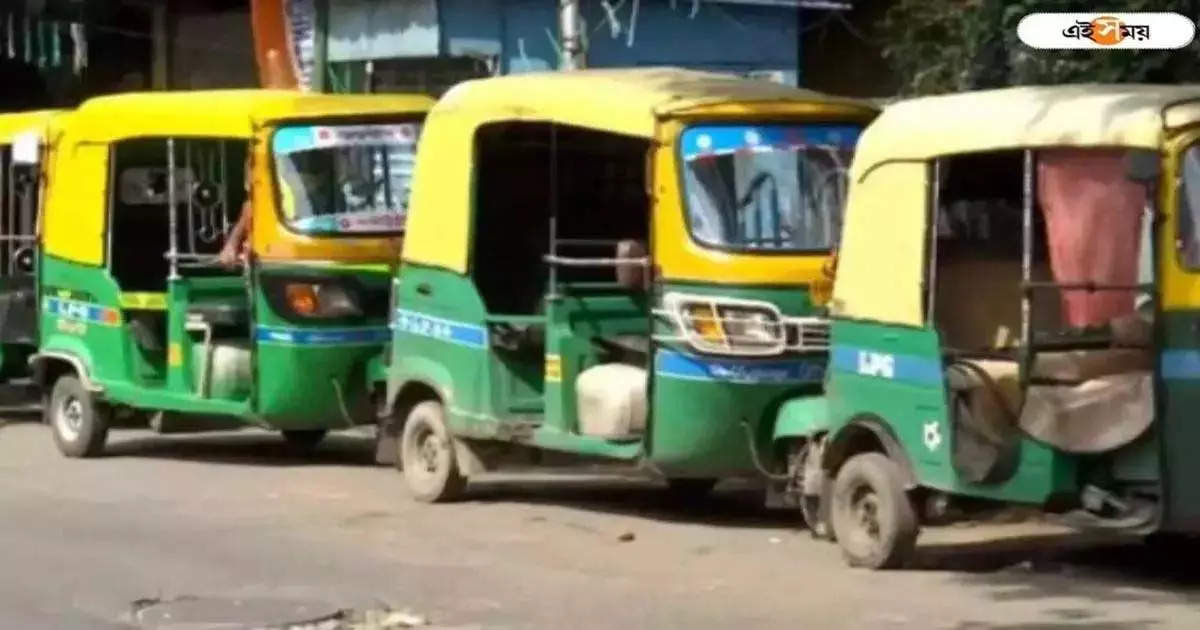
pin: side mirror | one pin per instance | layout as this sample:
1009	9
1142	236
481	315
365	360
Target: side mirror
1143	165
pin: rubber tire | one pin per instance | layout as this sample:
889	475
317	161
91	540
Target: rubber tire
94	419
686	489
427	420
304	440
896	519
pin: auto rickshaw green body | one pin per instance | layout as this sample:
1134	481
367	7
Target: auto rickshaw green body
497	327
894	394
137	321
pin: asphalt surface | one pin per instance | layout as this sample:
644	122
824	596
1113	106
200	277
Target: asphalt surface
235	519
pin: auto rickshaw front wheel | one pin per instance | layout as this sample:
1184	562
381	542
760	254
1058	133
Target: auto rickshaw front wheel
873	519
427	458
79	422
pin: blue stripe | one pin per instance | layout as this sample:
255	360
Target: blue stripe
690	367
80	311
323	337
903	367
1183	365
719	139
459	333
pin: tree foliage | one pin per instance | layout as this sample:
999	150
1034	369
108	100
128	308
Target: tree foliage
952	45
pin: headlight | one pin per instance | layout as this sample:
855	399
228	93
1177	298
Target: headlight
320	301
751	327
728	326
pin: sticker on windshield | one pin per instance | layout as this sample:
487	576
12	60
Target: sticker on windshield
368	221
306	138
713	140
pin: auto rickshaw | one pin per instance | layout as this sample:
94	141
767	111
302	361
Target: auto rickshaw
21	182
139	322
615	264
1014	318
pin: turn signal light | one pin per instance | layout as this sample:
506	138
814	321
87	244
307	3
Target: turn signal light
302	298
704	322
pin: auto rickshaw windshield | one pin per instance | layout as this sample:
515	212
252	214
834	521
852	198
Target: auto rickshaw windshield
345	178
767	187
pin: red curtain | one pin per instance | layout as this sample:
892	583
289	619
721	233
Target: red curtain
1093	225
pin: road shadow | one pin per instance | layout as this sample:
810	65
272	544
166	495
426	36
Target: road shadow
20	403
731	504
243	449
1139	624
1094	567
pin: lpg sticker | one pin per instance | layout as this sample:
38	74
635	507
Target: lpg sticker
933	435
876	364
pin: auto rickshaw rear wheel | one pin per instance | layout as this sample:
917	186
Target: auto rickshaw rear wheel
304	439
79	422
427	458
873	518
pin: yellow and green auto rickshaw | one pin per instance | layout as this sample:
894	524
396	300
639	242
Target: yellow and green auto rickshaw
1014	317
139	321
616	264
21	183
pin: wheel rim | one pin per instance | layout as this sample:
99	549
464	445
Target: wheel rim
866	530
69	418
427	455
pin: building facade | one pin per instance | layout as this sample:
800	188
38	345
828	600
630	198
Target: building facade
55	53
427	45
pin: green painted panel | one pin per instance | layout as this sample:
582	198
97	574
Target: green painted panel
702	405
802	417
80	315
551	438
1180	425
893	374
312	374
440	336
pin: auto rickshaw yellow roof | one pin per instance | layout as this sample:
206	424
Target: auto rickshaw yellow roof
625	101
1126	115
882	258
229	113
19	122
619	100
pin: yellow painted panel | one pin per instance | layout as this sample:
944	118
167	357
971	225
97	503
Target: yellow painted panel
1180	286
439	220
73	225
224	113
1127	115
553	368
881	259
144	301
13	124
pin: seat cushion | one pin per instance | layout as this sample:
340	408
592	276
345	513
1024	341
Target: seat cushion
1108	402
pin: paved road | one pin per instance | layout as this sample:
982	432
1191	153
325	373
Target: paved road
235	517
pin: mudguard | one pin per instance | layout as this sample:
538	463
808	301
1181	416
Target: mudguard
802	417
